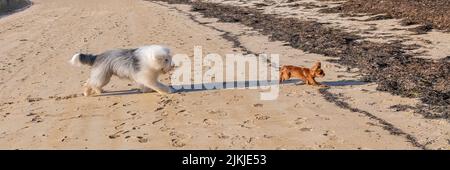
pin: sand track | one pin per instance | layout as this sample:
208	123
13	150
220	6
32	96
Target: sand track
41	105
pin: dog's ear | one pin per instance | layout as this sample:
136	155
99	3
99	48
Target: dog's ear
316	66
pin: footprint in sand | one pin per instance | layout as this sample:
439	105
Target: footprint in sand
156	121
306	129
58	98
268	136
323	117
261	116
182	111
165	128
235	99
258	105
178	139
6	115
242	141
159	109
222	136
300	120
7	103
209	122
177	143
247	124
142	139
117	134
217	112
36	118
119	126
33	99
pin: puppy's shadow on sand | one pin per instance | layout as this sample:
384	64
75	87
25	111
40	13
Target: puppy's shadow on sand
234	85
345	83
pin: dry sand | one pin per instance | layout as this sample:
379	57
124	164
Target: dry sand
42	107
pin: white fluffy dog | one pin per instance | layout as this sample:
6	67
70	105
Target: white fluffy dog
142	65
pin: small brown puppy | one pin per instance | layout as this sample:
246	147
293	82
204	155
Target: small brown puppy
305	74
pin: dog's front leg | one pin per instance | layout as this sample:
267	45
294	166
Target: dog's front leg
159	87
144	89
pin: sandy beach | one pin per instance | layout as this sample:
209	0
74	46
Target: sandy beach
42	106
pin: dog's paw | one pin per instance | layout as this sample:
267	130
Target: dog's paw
166	91
89	94
146	90
172	90
86	94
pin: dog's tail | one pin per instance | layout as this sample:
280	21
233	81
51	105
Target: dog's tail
83	59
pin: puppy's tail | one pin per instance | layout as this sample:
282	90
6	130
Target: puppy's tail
282	68
83	59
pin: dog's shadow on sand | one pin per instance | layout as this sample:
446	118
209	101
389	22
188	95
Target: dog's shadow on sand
235	85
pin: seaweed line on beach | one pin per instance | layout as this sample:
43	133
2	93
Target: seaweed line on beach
387	64
429	13
333	98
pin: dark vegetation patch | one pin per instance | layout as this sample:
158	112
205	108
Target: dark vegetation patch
310	5
435	12
379	17
387	64
423	29
401	107
407	22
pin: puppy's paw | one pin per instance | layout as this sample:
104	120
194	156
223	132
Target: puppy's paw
323	86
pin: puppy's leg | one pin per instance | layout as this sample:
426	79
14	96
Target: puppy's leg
305	81
285	75
315	83
312	82
281	77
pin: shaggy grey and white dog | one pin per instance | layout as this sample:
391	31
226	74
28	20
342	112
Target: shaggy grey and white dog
142	65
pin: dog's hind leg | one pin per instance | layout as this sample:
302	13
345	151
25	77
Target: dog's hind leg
98	79
87	90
